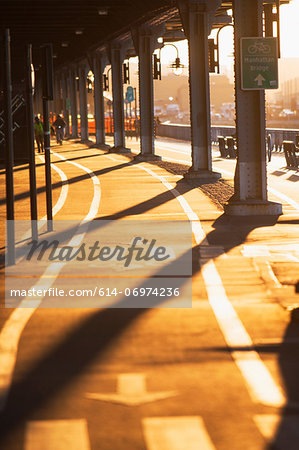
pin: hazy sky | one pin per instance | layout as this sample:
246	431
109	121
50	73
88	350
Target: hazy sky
289	29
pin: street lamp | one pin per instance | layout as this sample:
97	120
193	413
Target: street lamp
177	66
217	43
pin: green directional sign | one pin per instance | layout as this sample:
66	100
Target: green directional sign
259	63
130	94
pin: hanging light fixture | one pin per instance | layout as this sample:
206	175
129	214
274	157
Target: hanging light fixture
177	66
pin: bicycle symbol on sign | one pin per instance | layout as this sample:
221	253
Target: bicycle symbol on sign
259	47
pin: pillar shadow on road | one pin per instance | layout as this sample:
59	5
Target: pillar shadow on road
71	180
94	335
287	434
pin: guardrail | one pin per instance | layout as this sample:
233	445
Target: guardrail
183	132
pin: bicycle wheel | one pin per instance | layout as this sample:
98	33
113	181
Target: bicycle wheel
266	48
252	49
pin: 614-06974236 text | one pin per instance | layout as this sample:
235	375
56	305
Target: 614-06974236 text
98	291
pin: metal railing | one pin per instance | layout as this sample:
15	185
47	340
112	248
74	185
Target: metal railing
183	132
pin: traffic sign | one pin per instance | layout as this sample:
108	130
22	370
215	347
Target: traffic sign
259	63
130	94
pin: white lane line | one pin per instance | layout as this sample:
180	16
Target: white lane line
165	146
285	198
182	161
63	193
96	185
11	332
253	251
267	424
60	202
197	229
161	147
176	433
261	385
272	275
57	435
278	194
283	431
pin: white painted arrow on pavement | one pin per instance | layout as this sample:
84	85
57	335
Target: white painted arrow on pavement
259	80
131	391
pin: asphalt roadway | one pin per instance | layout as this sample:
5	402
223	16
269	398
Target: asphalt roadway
220	373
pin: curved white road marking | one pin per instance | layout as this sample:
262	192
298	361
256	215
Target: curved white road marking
15	324
96	185
260	383
60	202
63	193
197	229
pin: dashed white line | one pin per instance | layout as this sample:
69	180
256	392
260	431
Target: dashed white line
176	433
57	434
260	383
281	431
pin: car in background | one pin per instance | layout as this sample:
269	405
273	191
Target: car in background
287	113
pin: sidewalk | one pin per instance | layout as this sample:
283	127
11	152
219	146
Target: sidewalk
68	362
265	247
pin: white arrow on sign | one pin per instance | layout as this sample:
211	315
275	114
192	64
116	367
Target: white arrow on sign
131	391
259	80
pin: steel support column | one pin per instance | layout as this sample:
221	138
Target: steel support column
146	45
83	103
99	101
118	100
197	20
250	196
47	75
73	100
9	153
30	134
64	86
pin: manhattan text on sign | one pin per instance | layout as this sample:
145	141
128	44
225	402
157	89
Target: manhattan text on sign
259	63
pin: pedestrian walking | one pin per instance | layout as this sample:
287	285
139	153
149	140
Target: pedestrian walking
39	134
59	126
